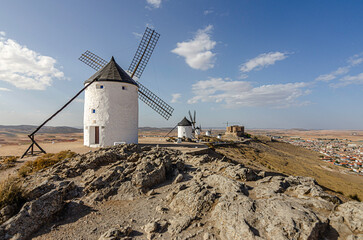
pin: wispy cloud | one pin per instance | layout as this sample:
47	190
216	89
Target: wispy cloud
25	68
333	75
352	61
347	80
4	89
262	60
175	97
154	3
242	93
355	60
206	12
197	52
137	35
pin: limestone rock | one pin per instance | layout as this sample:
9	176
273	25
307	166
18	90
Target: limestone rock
178	178
240	173
37	212
348	218
117	233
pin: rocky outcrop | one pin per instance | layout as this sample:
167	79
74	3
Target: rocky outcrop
164	194
347	219
37	212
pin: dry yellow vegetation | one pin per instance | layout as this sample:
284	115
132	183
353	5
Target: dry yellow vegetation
10	192
7	162
44	161
262	153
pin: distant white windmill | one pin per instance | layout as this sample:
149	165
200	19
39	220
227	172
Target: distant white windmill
185	128
208	133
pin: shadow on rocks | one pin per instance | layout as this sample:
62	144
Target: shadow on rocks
71	212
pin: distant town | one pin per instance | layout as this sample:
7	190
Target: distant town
340	152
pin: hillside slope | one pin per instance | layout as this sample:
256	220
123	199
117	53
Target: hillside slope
262	153
133	192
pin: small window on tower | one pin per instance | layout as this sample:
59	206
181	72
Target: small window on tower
123	88
99	86
93	110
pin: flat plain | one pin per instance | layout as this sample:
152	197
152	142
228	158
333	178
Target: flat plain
260	154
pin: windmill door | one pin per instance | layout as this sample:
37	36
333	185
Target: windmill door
97	135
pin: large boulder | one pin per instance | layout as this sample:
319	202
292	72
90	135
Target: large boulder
36	213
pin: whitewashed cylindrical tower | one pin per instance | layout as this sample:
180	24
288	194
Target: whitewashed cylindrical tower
111	108
185	128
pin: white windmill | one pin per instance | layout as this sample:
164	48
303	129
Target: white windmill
111	104
208	133
185	128
111	107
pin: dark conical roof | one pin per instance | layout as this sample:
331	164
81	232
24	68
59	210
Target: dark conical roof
111	72
185	122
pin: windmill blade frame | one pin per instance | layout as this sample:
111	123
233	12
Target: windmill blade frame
143	52
153	101
92	60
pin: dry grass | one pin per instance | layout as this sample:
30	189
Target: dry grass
11	192
288	159
7	162
44	161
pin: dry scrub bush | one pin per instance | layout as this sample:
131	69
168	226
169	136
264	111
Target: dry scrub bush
354	197
7	162
47	160
10	192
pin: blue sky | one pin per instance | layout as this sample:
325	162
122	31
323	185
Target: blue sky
264	64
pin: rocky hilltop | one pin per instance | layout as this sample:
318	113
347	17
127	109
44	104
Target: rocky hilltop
133	192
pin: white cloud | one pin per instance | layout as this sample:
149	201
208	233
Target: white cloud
355	60
206	12
242	93
4	89
25	68
3	34
154	3
347	80
176	97
137	35
262	61
197	52
333	75
352	61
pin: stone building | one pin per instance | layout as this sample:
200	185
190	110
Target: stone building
235	130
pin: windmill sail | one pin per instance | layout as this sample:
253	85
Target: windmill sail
137	66
92	60
143	53
153	101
